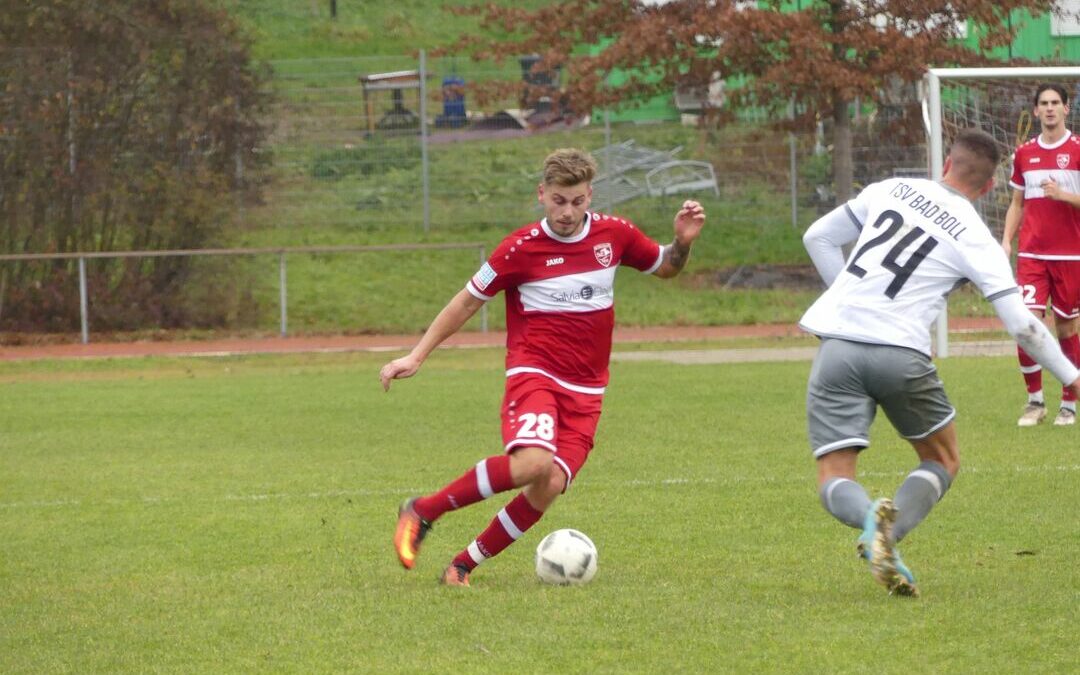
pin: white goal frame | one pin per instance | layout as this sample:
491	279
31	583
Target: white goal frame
935	131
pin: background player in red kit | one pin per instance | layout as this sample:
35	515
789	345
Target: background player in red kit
1045	208
558	276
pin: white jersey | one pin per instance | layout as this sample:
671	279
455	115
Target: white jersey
918	241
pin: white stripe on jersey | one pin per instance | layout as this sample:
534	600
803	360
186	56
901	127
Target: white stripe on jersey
1068	180
582	292
581	389
1044	256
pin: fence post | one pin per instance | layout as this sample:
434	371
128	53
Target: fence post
283	294
794	184
607	157
483	307
82	301
424	141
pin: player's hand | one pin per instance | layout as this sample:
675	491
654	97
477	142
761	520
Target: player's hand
688	222
1050	188
1007	247
398	369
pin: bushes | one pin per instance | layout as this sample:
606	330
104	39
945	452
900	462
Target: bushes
129	131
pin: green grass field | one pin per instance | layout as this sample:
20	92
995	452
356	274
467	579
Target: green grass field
293	28
235	515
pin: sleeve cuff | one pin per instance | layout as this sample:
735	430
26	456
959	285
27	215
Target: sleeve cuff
659	260
475	293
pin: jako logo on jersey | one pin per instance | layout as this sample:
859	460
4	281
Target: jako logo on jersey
1063	161
1033	160
485	276
555	261
602	253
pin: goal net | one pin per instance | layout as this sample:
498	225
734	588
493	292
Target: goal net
999	101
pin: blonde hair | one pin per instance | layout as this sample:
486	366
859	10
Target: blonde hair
569	166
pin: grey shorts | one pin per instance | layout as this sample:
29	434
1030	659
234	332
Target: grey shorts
850	379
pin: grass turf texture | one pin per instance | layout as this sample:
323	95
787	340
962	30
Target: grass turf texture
210	515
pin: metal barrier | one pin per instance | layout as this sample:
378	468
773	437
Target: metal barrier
282	269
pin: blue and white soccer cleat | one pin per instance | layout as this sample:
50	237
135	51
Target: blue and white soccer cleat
876	545
904	582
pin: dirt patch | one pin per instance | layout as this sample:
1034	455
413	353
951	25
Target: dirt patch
760	277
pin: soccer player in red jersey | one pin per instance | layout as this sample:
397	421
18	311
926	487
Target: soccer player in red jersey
558	276
1045	208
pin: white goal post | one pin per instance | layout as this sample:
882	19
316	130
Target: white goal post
999	101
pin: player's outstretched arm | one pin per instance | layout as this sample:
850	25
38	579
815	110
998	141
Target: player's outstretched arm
452	317
688	223
1031	334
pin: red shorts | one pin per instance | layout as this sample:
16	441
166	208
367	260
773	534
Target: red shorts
537	412
1056	280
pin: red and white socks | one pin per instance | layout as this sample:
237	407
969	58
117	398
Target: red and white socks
489	477
507	526
1032	372
1071	347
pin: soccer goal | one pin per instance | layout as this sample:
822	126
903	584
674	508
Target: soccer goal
999	101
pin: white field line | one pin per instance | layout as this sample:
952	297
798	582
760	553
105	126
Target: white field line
592	485
772	354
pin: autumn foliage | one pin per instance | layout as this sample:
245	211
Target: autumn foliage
802	60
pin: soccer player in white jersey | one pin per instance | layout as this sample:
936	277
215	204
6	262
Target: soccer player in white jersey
914	241
557	275
1045	207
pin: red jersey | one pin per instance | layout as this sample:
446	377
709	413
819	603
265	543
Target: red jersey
1050	229
560	300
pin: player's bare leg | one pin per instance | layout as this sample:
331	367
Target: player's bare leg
847	501
840	494
887	522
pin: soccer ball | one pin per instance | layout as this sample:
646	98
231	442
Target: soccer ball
566	557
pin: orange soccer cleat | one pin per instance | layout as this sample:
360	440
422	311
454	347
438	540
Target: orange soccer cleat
411	530
455	575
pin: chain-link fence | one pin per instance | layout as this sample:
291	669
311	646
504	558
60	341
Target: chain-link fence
350	151
395	149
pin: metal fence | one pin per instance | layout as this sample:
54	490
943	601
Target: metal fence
396	148
355	136
281	254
